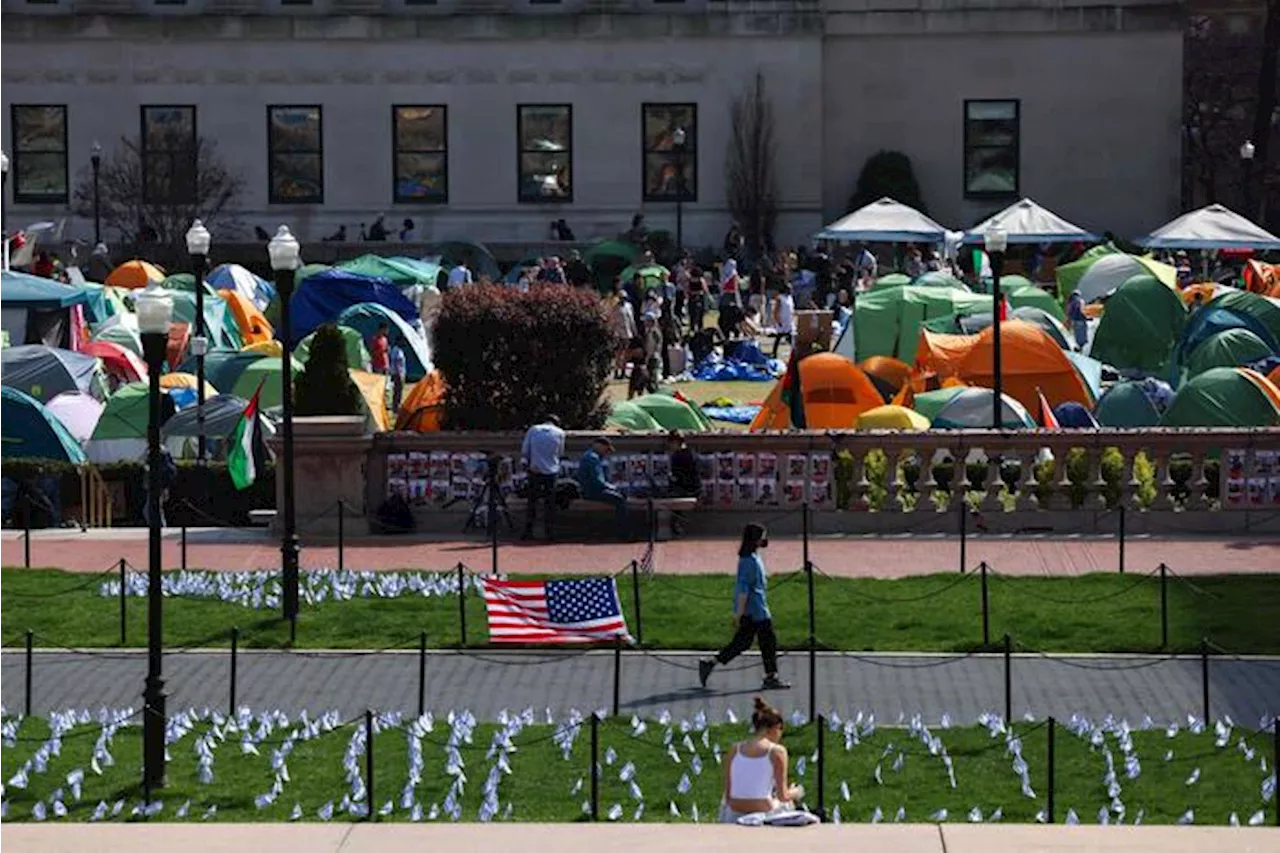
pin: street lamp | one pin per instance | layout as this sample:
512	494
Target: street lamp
283	251
198	248
996	242
1247	150
677	142
4	184
154	309
95	159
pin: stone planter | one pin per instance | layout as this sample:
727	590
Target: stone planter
330	460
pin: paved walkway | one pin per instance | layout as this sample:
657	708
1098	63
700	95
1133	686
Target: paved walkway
888	685
853	556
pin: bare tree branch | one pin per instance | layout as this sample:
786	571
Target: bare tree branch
751	185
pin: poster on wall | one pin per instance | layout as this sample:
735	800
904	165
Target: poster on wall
1250	487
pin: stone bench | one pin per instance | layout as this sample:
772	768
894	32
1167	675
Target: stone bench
664	510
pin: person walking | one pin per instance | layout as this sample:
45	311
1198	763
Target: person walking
540	455
1078	318
750	612
755	770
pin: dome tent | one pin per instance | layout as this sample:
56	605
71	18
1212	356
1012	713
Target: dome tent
357	353
1225	397
31	431
1127	405
366	317
1142	323
962	407
44	372
627	416
1228	348
833	392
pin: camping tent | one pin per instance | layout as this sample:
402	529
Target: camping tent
972	324
1108	272
626	415
365	318
1127	405
892	417
263	373
222	367
135	274
1262	278
30	431
120	329
220	326
893	279
963	407
235	277
37	310
1027	222
476	257
1074	416
373	393
118	361
78	412
422	408
44	372
833	392
1031	363
1225	397
884	221
1212	227
249	320
402	272
222	414
121	432
357	353
323	296
673	413
1142	323
888	374
1231	310
1229	348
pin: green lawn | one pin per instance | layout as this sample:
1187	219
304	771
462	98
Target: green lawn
545	785
1093	613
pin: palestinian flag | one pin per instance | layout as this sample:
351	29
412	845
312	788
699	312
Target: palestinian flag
1048	420
792	395
244	457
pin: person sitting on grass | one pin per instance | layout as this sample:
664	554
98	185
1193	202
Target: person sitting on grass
755	770
594	485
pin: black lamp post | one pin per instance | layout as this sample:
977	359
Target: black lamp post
996	242
284	251
198	248
95	160
154	309
1247	151
4	185
677	142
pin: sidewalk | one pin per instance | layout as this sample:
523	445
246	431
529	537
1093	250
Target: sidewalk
850	556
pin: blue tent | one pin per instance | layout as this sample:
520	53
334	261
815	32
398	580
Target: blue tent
1072	415
30	431
31	291
365	319
321	298
235	277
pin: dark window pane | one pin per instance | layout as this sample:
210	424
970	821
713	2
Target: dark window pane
297	178
169	128
661	121
991	148
39	175
295	129
421	177
545	176
420	129
661	177
40	128
545	128
991	170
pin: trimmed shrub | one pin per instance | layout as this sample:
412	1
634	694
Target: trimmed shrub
325	386
510	358
887	173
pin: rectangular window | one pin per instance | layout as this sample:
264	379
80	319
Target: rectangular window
545	136
39	153
991	149
295	154
421	152
670	161
168	154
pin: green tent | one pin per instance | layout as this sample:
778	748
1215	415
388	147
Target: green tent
220	324
1261	308
264	372
1142	323
672	413
651	275
119	333
888	320
1031	296
1126	406
186	282
973	323
1069	275
627	415
1228	348
937	278
967	407
357	353
619	252
402	272
893	279
1222	397
127	413
222	368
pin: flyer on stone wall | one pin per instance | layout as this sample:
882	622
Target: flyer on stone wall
1250	486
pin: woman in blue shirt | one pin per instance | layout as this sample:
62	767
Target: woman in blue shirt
750	612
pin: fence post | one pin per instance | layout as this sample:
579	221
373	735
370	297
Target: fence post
1164	606
342	534
183	561
1122	517
235	648
964	534
293	629
1049	810
1275	760
595	766
813	617
462	606
368	765
1008	679
986	611
124	610
822	766
26	701
1204	677
635	599
422	674
653	525
26	537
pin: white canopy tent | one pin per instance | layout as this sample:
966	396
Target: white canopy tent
1027	222
884	221
1212	227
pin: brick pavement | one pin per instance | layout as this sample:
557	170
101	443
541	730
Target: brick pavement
888	685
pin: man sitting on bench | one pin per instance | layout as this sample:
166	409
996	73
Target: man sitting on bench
593	481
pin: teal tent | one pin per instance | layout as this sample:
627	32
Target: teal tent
402	272
1126	405
29	431
365	319
1229	348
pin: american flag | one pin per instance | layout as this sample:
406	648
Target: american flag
583	610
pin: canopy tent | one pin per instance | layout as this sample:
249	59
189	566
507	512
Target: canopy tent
1212	227
36	310
1142	323
121	432
1225	397
964	407
884	221
222	414
893	417
366	317
1228	348
1031	363
118	361
1027	222
1074	416
373	393
833	392
422	409
972	324
250	321
476	257
263	373
134	274
324	296
625	415
44	372
29	431
1237	309
673	413
357	354
78	412
257	290
1108	272
1128	405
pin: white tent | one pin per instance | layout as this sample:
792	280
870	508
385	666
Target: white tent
884	221
1027	222
1212	227
1110	271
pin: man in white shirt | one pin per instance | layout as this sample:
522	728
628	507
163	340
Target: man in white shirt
459	276
540	455
784	318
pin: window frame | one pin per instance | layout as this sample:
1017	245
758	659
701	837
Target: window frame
396	151
690	194
171	154
272	198
521	198
16	154
1016	147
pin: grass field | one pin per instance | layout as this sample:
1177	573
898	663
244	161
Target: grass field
1092	613
1176	773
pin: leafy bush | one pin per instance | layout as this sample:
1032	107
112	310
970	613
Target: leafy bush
325	386
510	358
887	173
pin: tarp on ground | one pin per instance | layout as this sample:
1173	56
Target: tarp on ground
1025	221
963	407
1228	348
29	431
884	221
422	409
324	296
1108	272
1140	327
673	413
357	353
1127	405
626	415
1225	397
833	391
1211	227
235	277
365	318
44	372
78	412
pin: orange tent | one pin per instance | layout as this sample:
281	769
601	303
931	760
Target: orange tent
254	327
423	407
1030	361
886	373
134	274
1274	377
835	391
1198	293
178	379
1262	278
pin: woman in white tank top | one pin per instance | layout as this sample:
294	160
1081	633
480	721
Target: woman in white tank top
755	770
